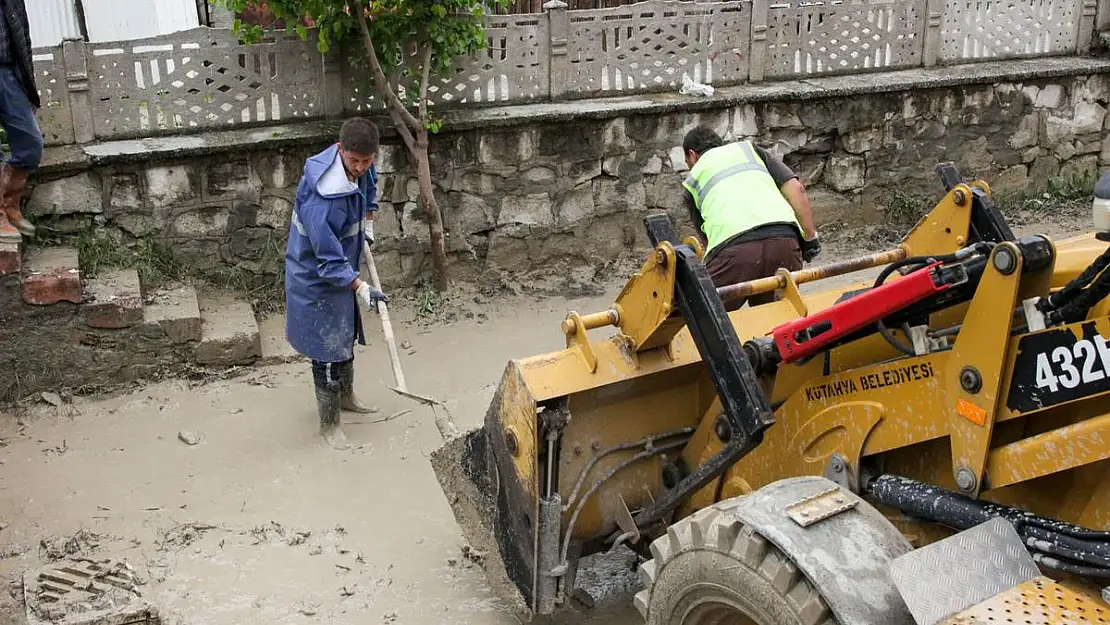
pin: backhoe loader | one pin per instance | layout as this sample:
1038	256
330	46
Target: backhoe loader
928	446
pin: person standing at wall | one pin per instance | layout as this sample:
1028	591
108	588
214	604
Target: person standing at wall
750	209
19	98
337	199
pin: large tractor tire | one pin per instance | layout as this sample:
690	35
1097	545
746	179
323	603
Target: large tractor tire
744	561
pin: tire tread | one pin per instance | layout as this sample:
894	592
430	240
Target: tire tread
713	529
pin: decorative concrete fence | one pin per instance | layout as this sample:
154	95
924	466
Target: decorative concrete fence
204	79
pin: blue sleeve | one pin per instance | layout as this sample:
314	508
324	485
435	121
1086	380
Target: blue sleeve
372	190
331	260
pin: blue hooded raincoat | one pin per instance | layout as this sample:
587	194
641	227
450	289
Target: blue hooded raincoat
322	320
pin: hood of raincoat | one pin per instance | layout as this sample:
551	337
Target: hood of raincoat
325	173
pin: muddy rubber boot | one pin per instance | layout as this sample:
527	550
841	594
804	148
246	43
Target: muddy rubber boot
327	402
351	401
8	233
14	182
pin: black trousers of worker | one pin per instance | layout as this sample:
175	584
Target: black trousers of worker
332	376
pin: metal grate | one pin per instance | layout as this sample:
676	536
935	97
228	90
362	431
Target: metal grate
86	591
1039	601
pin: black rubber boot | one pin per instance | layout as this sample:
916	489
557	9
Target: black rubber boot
351	401
327	402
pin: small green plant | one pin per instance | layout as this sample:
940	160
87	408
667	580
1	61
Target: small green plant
1075	187
99	250
256	281
429	303
1062	195
905	209
264	291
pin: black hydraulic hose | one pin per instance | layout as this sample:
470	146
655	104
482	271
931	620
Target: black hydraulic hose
918	262
894	342
646	453
924	261
1066	529
1055	549
1077	308
1074	569
1080	282
647	442
926	501
1050	541
1078	544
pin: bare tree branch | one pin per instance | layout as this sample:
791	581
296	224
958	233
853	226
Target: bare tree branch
426	68
395	103
403	130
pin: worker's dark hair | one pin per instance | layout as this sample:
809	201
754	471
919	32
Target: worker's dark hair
359	135
701	140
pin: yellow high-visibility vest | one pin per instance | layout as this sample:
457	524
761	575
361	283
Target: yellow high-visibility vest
735	193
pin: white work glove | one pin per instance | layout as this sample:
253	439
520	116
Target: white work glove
370	296
368	231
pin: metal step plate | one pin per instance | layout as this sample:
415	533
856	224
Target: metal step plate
952	575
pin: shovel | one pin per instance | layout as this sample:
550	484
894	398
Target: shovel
387	327
446	424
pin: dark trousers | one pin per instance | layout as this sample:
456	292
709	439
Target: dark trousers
330	375
752	260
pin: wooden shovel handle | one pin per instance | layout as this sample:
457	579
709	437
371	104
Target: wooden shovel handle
387	327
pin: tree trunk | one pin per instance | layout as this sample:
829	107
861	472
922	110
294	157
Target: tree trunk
415	135
431	210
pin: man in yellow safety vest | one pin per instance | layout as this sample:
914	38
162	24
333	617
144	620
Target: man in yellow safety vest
750	208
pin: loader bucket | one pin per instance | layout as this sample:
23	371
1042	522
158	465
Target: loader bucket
577	440
463	470
492	506
494	477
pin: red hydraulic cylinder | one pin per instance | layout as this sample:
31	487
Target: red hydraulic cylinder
806	336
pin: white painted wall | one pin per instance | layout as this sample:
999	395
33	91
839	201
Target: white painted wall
109	20
120	20
51	21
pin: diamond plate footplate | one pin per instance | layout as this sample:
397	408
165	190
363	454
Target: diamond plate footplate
951	575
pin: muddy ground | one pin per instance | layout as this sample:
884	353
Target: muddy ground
229	509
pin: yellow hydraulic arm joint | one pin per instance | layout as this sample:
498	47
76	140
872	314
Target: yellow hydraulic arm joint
945	229
643	310
980	353
646	304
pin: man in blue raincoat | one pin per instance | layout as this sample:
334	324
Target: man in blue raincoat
336	201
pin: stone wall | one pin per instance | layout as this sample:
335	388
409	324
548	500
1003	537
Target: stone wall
536	189
117	89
